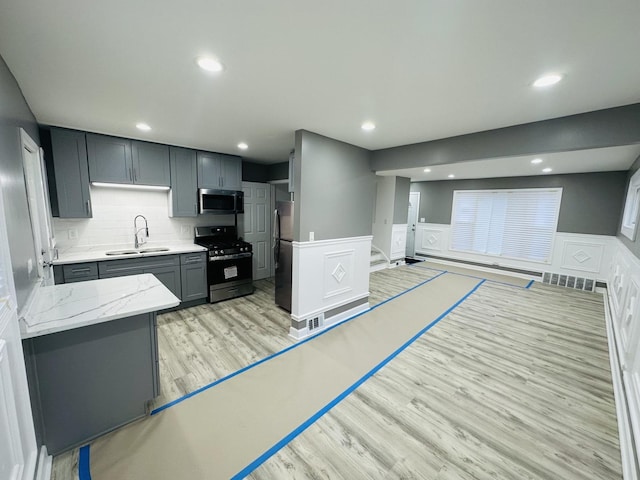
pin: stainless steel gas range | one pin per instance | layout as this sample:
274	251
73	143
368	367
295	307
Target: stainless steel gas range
230	262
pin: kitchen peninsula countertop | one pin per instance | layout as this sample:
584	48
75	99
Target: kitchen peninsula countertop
98	253
57	308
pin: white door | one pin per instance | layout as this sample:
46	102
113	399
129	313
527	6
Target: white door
412	221
257	226
18	449
35	178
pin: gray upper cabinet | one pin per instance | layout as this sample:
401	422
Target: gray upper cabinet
184	183
109	159
119	160
216	170
150	163
71	173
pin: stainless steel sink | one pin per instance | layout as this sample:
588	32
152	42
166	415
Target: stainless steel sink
136	252
121	252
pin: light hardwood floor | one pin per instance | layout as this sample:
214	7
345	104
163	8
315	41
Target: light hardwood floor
513	384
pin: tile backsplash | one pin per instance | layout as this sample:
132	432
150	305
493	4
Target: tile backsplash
112	224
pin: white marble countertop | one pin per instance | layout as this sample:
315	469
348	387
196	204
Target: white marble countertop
57	308
98	253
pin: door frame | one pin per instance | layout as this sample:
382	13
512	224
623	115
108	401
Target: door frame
412	231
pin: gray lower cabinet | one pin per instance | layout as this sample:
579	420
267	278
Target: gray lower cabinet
185	275
216	170
165	267
184	183
193	268
93	379
71	172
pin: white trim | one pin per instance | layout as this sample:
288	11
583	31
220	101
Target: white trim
45	464
315	313
331	241
631	208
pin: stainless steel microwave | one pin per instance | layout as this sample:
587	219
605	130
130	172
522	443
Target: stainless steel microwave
220	202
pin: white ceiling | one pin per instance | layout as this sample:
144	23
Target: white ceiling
419	69
579	161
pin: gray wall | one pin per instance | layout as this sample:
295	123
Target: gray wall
602	128
15	113
401	202
635	245
335	188
591	202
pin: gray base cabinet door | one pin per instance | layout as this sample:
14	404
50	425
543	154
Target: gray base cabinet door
194	276
184	183
169	276
71	173
150	164
93	379
109	159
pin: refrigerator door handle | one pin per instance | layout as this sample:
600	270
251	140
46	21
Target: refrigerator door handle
276	238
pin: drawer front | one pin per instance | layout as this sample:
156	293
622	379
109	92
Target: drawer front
80	271
128	265
193	258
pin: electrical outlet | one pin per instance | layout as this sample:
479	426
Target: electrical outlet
73	233
186	230
312	236
421	219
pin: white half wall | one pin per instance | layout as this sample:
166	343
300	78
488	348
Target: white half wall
398	241
576	254
623	294
327	275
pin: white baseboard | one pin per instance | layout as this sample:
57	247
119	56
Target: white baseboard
303	333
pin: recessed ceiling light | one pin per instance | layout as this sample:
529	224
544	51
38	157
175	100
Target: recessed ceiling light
427	170
547	80
546	170
209	64
536	161
368	126
143	126
451	175
243	146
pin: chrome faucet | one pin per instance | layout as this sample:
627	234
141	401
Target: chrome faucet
137	230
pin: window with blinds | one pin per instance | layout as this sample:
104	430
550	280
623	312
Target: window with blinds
518	224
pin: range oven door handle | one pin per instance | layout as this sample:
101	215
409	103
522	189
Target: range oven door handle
235	256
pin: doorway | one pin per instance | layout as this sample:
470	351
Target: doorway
257	226
35	179
412	221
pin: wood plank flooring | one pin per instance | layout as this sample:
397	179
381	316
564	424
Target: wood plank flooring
513	384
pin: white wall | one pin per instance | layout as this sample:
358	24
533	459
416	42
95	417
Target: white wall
113	212
383	218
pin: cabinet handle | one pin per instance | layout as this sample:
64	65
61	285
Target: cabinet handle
193	259
135	175
88	207
195	208
81	270
130	176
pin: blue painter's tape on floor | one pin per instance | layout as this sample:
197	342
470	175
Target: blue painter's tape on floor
269	453
529	284
84	471
285	350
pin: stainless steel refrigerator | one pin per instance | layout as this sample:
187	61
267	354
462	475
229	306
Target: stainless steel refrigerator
283	252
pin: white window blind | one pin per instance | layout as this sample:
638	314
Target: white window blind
518	224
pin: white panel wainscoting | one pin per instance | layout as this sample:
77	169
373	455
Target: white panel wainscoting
574	254
329	275
624	318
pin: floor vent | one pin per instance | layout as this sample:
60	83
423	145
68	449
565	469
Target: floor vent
569	281
315	322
